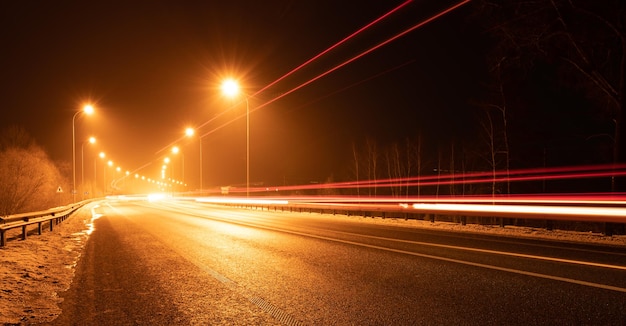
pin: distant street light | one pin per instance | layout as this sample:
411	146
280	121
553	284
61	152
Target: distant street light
91	140
87	109
189	132
231	88
176	150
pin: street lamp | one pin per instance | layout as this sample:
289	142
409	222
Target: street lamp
189	132
176	150
110	164
91	140
87	109
231	88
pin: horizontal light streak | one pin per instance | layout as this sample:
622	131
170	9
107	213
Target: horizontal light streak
521	175
227	200
573	199
604	208
525	209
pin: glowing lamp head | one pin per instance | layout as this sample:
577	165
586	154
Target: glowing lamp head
88	109
230	88
189	132
92	140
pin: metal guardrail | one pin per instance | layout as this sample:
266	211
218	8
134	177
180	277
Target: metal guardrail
51	216
500	214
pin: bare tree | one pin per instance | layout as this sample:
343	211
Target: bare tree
355	154
394	168
28	180
15	137
372	164
584	41
489	134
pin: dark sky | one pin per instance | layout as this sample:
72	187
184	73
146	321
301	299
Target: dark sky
152	68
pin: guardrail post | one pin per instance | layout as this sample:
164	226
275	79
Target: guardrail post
23	232
39	228
3	239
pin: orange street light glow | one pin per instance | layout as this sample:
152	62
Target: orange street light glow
230	87
88	109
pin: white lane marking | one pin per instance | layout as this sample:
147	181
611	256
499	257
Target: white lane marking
458	261
494	252
504	269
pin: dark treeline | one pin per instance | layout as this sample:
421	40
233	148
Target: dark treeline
554	97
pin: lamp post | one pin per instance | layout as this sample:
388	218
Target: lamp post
231	88
201	177
110	164
102	155
189	132
87	109
91	140
164	169
175	151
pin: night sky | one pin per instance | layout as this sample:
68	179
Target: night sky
153	68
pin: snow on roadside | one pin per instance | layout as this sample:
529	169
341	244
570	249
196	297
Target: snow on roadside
33	272
508	230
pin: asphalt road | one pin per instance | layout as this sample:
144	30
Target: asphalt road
185	263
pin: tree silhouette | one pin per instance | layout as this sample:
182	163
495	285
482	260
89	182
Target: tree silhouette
28	179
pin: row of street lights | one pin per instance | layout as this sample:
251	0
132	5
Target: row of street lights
229	88
87	109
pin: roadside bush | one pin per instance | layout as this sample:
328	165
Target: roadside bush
28	178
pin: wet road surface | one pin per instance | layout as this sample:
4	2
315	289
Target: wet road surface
185	263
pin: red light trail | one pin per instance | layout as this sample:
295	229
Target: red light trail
360	30
341	65
334	46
